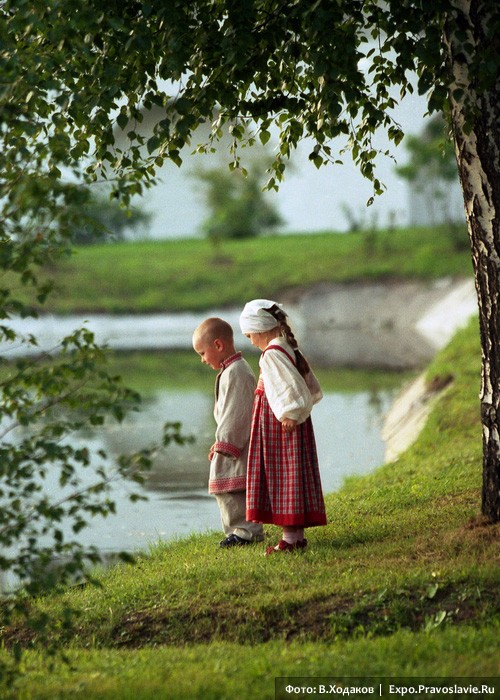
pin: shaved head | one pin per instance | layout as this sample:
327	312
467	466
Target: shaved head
214	328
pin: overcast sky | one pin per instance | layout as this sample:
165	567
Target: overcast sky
312	199
308	200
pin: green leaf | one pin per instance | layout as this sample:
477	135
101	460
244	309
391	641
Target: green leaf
122	120
153	144
432	590
264	137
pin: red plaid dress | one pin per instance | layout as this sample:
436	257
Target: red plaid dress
283	480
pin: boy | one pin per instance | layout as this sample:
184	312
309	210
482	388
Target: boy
234	394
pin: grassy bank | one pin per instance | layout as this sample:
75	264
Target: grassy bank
402	582
149	276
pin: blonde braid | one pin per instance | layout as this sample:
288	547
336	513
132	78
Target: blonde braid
286	331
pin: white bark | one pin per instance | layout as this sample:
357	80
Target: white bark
476	126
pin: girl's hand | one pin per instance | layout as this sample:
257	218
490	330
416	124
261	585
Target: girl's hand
288	424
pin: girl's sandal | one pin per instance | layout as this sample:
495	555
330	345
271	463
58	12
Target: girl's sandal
283	546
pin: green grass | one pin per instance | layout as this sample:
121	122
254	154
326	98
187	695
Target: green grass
402	582
224	671
182	275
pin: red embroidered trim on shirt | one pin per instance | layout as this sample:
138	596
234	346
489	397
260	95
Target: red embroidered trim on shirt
229	360
235	483
227	448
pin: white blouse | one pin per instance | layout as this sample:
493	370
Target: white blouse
287	392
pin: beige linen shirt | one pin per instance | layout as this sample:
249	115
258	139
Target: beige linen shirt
235	392
288	393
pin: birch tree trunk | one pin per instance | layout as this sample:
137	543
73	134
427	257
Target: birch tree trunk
475	111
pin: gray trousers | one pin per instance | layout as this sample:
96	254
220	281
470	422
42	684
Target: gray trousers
232	508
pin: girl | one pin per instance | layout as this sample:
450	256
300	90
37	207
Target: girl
283	481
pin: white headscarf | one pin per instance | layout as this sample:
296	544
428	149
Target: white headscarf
255	319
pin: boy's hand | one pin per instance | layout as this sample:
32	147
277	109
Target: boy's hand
288	425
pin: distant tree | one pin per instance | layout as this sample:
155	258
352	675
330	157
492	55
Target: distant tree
103	219
355	220
432	170
432	155
238	207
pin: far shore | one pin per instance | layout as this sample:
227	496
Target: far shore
386	325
